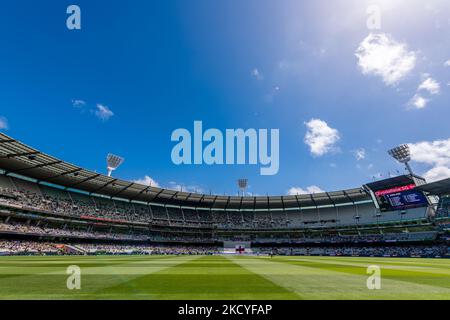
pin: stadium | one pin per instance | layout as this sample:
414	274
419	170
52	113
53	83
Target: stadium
258	153
133	241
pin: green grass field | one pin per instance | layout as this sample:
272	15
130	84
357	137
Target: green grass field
220	277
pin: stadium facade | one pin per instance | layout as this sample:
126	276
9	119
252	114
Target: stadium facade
73	210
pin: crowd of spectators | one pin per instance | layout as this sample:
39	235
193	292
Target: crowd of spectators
75	204
333	238
60	232
65	231
19	247
378	251
96	207
146	249
13	247
22	228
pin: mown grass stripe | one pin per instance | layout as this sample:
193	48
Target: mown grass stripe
431	263
314	282
218	277
205	278
52	284
423	277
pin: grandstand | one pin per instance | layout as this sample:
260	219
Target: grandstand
48	205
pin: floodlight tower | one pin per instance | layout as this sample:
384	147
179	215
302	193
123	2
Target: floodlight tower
402	154
242	184
113	162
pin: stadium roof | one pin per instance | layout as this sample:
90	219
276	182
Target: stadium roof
438	188
18	158
391	182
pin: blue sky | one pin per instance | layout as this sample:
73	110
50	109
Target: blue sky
137	71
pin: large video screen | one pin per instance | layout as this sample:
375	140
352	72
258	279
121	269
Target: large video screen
400	198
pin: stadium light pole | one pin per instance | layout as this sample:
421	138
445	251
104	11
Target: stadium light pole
402	154
242	184
113	162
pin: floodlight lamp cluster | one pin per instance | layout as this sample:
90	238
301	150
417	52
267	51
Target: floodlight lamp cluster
402	153
243	183
113	162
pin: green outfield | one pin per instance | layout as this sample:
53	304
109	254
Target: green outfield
220	277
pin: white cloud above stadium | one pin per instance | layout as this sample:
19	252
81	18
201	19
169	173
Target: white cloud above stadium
320	137
379	54
4	123
435	155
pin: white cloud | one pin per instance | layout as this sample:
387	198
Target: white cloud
447	63
435	154
309	190
432	153
257	74
320	138
381	55
437	173
103	112
185	188
78	103
418	102
4	123
430	85
360	154
147	181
